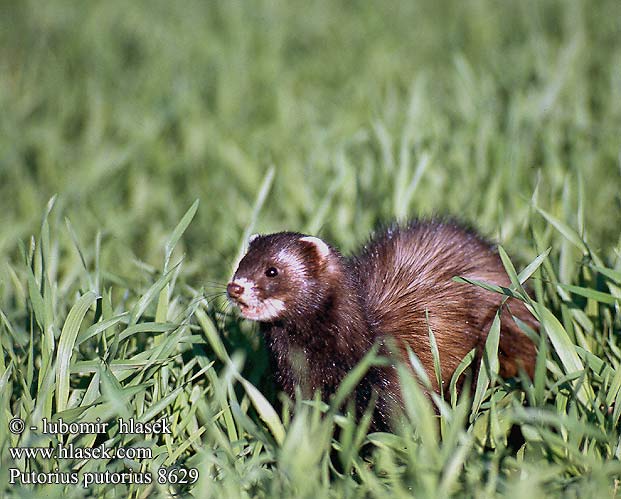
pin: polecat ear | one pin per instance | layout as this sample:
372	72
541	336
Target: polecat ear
323	250
252	238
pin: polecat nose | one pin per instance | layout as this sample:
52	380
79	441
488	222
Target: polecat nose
234	290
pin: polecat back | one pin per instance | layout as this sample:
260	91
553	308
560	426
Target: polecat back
405	275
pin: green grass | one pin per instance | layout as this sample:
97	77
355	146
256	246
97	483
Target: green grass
327	118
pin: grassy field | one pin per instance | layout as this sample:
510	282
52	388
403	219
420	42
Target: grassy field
327	118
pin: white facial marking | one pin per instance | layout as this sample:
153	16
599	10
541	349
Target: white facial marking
291	262
244	283
252	307
268	310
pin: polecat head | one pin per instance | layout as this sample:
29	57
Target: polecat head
281	276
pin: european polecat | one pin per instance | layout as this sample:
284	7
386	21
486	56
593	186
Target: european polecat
320	312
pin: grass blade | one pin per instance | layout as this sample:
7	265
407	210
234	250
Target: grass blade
489	365
570	234
593	294
67	340
532	267
178	232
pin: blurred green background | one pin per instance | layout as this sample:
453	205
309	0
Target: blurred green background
129	111
325	117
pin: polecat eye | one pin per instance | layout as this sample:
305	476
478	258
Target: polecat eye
271	272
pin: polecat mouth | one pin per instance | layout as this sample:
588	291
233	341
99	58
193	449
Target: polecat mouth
262	311
249	311
240	303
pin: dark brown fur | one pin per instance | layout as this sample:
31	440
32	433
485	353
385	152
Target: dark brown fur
336	307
